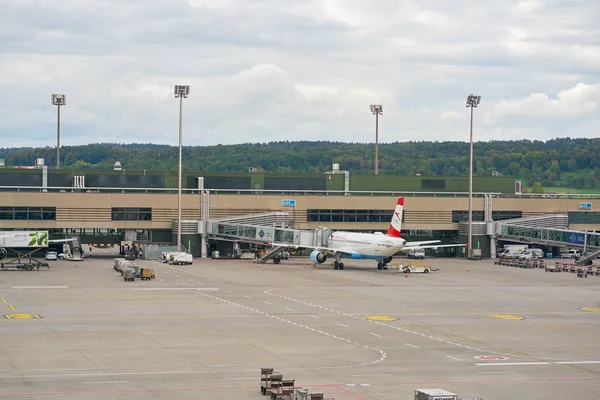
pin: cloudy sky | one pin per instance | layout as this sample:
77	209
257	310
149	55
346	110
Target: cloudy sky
268	70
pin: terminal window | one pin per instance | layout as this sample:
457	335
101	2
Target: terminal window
131	214
463	216
28	213
349	216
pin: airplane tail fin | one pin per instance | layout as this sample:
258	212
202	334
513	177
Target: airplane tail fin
394	229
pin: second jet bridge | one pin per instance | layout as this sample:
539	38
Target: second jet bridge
265	229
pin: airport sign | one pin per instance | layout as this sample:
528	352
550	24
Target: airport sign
585	206
288	203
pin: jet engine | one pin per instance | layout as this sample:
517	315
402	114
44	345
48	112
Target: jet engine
317	257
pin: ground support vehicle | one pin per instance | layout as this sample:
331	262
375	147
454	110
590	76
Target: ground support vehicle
128	275
180	258
434	394
521	263
23	262
554	268
147	273
416	267
121	263
269	380
582	272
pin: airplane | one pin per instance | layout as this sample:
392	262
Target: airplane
367	246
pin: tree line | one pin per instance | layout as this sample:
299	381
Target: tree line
565	162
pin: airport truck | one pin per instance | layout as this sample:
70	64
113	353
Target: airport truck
511	251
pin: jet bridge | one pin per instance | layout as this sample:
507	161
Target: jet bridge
265	229
549	230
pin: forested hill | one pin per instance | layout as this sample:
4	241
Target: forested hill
559	162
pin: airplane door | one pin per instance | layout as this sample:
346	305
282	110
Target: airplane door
376	247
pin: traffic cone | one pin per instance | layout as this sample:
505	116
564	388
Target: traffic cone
314	265
75	265
406	275
467	269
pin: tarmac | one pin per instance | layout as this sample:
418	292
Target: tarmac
79	331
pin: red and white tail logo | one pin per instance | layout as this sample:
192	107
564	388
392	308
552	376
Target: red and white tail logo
394	229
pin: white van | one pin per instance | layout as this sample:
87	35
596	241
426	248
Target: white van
571	253
511	251
416	253
532	254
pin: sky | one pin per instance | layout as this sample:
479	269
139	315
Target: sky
272	70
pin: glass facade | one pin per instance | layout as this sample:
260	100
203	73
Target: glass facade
349	215
131	214
28	213
463	216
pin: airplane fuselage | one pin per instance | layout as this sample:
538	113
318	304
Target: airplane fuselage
365	245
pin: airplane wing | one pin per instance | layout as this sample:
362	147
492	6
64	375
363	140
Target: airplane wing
413	244
432	246
298	246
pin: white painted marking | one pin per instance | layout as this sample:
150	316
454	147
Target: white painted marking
374	375
105	382
289	309
515	363
374	334
248	297
266	302
314	316
1	277
454	358
238	379
228	291
177	276
411	345
539	363
166	273
191	280
180	288
345	326
40	287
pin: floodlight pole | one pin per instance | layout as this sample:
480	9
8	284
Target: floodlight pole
58	138
472	102
376	109
58	100
181	91
376	143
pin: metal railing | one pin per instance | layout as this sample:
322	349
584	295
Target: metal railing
299	192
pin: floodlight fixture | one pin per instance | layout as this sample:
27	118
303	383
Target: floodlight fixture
59	100
181	91
473	101
377	109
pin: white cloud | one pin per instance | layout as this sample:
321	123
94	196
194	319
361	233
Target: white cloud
263	70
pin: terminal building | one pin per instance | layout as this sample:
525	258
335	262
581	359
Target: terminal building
107	207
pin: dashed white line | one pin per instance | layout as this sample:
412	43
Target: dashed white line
177	276
289	309
382	354
411	345
266	302
345	326
374	334
376	322
248	297
314	316
104	382
454	358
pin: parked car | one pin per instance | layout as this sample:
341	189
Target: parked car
51	255
571	253
416	253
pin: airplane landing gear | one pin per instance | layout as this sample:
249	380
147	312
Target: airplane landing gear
382	265
337	264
